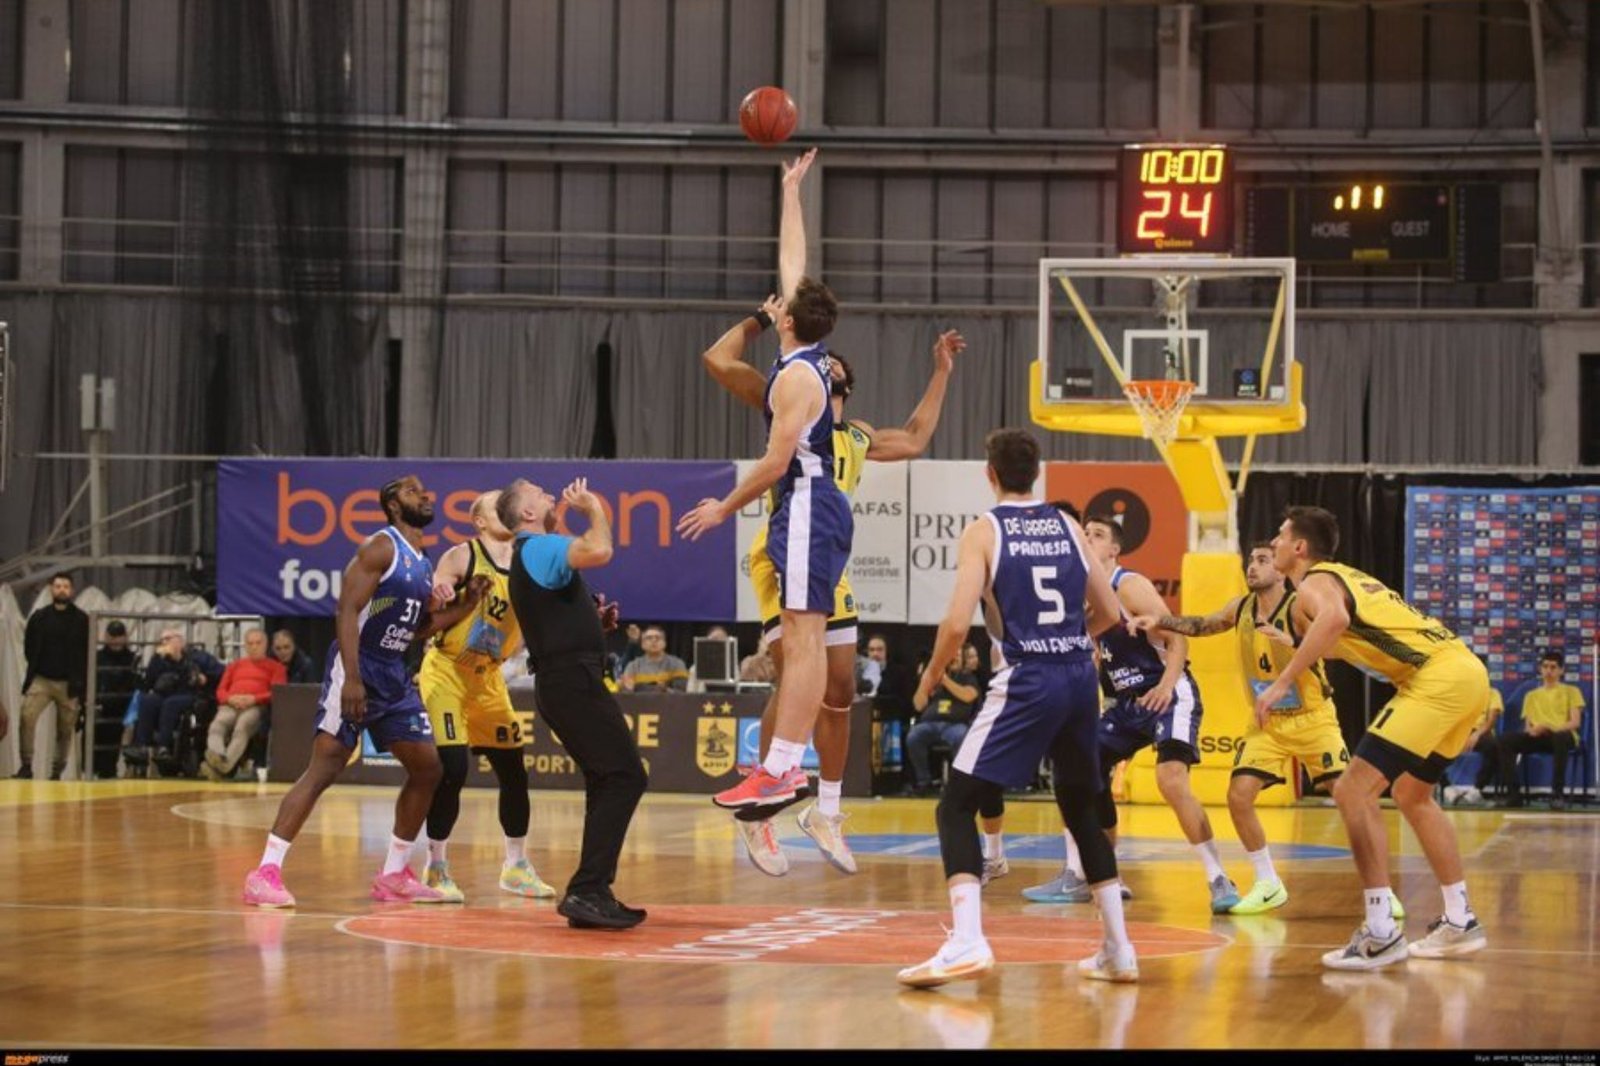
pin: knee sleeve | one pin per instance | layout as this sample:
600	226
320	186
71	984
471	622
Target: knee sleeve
446	806
1105	808
992	804
513	777
958	832
1081	814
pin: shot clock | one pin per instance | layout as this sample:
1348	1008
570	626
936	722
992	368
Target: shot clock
1175	199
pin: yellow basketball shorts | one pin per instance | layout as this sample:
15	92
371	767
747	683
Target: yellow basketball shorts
764	577
1311	737
1427	723
468	702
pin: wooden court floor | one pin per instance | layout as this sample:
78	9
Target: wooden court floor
120	925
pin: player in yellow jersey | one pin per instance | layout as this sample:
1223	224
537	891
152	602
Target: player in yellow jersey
854	442
1442	689
1303	725
468	702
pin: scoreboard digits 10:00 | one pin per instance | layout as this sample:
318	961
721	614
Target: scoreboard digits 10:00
1175	199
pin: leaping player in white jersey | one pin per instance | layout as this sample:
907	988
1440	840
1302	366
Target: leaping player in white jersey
854	441
808	532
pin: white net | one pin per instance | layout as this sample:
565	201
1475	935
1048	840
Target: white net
1160	405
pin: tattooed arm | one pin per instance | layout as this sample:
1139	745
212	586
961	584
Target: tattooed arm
1190	625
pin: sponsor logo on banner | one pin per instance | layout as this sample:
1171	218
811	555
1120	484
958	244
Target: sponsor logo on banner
750	746
878	563
286	528
714	746
945	498
1146	499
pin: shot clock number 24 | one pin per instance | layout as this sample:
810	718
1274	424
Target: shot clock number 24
1175	199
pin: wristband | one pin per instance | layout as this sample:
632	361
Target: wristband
763	319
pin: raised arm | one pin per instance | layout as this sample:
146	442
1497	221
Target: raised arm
911	440
796	402
449	572
594	547
724	360
792	227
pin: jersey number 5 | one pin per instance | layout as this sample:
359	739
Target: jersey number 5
1057	611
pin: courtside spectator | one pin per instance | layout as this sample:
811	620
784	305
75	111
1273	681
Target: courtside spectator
655	670
56	646
116	679
296	663
1551	715
243	696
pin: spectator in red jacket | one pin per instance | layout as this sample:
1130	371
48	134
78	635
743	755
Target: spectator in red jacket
242	696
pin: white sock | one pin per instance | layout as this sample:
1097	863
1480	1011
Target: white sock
1208	856
1074	859
1456	908
828	793
436	850
966	905
783	756
277	851
1262	861
516	850
1379	921
1108	898
994	846
399	855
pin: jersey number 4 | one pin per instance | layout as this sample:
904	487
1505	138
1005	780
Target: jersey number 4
1057	609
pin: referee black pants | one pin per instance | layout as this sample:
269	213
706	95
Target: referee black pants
572	697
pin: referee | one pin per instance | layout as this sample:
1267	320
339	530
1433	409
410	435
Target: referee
566	649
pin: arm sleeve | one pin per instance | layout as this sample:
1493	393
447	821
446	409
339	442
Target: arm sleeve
545	559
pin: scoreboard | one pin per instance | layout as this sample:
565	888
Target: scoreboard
1377	221
1179	199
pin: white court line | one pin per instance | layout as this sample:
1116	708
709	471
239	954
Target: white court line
340	919
242	911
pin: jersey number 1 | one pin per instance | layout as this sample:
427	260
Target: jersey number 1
1057	610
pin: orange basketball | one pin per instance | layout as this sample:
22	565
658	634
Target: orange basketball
767	115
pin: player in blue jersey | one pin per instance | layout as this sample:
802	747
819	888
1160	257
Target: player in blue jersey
383	601
1028	563
1156	702
808	532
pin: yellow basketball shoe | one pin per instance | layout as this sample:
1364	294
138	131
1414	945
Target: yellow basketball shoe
1263	896
1397	910
438	878
519	879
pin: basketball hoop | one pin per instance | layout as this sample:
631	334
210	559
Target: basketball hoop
1160	404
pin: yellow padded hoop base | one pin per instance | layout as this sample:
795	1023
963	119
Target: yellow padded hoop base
1202	418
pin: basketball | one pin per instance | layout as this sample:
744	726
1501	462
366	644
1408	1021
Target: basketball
767	115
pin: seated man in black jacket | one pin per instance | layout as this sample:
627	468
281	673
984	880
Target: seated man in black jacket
946	717
177	676
117	678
